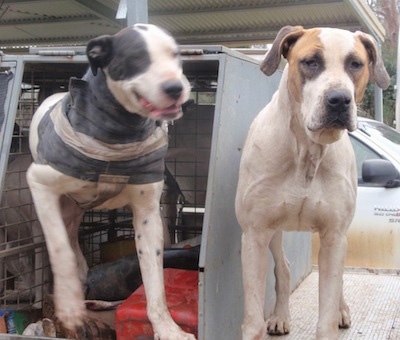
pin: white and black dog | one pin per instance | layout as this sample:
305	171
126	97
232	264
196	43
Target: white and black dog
102	145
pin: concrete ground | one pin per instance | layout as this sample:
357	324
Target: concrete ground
373	298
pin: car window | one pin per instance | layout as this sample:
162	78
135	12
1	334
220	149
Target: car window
362	152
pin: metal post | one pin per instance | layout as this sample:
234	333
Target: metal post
397	117
378	98
378	104
137	12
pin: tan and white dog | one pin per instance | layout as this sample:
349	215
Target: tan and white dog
102	145
298	171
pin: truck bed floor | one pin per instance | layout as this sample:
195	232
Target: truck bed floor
373	298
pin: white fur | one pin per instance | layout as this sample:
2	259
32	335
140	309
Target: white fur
292	178
49	187
165	66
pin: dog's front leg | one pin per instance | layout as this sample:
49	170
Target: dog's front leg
72	216
279	322
254	270
149	245
331	302
68	295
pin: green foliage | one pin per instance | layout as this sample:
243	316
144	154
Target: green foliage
387	13
389	95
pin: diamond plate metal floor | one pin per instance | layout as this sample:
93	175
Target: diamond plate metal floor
374	301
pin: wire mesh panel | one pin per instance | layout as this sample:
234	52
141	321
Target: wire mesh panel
188	160
106	235
24	274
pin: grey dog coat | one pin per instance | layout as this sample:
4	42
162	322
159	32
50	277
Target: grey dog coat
93	138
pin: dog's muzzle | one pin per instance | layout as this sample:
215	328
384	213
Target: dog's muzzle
338	104
172	88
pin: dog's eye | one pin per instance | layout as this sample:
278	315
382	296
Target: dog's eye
355	65
311	66
312	63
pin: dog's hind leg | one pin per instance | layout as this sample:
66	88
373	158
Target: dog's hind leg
145	203
255	243
331	263
279	322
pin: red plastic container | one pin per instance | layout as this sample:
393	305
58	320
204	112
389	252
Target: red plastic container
181	288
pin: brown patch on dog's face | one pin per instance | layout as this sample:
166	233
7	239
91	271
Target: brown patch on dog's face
327	72
306	60
356	66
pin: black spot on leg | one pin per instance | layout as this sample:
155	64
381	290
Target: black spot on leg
142	192
158	252
140	253
145	222
139	236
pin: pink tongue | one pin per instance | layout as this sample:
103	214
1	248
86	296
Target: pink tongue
155	112
147	105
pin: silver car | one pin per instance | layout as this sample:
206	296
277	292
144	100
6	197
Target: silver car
374	235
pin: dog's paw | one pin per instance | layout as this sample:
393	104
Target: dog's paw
251	331
171	331
180	336
344	318
72	314
69	306
278	325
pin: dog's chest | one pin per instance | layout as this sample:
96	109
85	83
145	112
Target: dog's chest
99	195
309	205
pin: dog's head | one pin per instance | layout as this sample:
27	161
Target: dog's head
143	70
328	71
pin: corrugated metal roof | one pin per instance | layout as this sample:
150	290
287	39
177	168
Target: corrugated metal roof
227	22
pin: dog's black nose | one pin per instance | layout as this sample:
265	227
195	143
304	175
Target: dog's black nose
338	100
173	88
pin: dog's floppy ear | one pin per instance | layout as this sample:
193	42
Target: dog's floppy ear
377	70
285	38
99	52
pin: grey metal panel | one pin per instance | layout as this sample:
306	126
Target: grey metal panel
242	91
16	66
